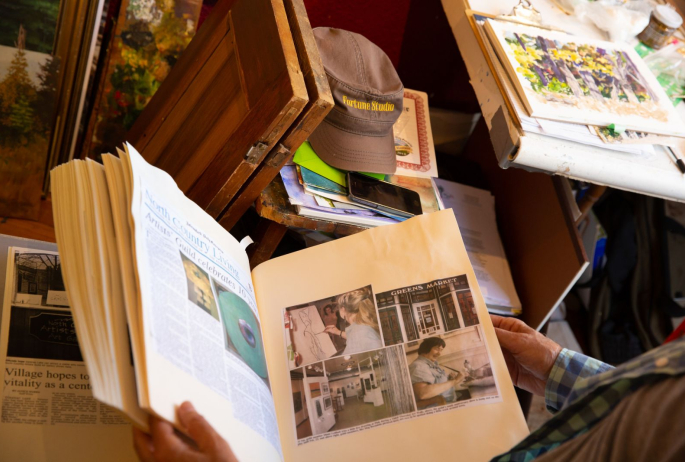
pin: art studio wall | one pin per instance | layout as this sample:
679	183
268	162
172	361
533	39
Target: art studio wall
349	383
321	418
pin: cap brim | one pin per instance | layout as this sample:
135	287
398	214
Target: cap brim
354	152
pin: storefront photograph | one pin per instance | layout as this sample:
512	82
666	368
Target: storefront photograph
424	310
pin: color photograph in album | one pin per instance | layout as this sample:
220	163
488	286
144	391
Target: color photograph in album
585	81
355	364
416	312
341	324
459	357
353	391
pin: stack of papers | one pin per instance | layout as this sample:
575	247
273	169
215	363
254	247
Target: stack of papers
475	212
318	190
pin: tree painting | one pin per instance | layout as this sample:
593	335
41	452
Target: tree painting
150	37
583	75
37	17
27	104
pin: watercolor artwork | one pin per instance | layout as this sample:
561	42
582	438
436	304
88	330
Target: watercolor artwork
572	79
150	37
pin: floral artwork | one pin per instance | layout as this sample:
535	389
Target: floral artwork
150	37
579	80
28	93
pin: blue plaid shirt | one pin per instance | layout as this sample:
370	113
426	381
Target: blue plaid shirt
582	391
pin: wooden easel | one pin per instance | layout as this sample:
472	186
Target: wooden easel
248	90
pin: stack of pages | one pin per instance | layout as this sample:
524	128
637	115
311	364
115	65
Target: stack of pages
589	91
475	212
319	191
167	310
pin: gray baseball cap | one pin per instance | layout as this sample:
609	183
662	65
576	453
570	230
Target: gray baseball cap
357	134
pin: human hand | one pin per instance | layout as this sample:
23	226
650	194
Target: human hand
455	376
529	354
164	445
332	330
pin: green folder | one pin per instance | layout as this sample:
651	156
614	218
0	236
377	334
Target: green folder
307	158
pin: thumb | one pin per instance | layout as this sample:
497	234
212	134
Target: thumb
198	428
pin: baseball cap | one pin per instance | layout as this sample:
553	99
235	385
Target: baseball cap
357	134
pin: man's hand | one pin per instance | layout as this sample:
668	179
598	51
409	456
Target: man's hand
529	354
164	445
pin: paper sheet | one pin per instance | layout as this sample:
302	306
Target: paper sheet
424	248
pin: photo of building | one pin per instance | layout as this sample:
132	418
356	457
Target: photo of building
39	275
424	310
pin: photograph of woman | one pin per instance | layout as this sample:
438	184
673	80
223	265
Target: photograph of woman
362	333
338	325
331	317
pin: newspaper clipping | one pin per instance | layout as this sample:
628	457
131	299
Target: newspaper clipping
204	317
45	379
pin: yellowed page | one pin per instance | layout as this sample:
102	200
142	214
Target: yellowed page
49	413
120	216
112	272
391	259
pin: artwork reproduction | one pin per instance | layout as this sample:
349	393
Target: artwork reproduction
309	339
243	331
315	389
611	136
568	78
199	287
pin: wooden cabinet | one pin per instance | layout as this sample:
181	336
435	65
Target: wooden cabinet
248	89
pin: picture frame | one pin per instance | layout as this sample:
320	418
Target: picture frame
46	52
146	41
314	389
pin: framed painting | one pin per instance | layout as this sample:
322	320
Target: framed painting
585	81
148	39
46	47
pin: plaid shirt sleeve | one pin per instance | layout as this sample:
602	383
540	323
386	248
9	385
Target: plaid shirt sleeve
568	368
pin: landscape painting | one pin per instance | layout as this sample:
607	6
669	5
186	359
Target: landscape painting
568	78
149	38
28	93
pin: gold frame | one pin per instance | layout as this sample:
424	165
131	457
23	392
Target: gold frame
75	47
